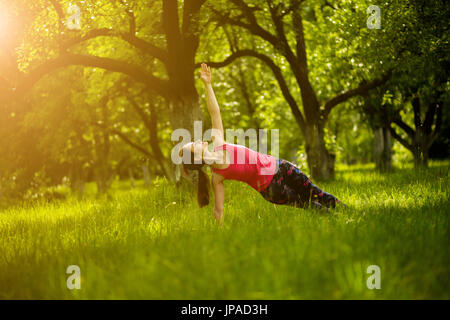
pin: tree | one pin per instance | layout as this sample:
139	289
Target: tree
315	113
422	137
422	78
378	115
167	71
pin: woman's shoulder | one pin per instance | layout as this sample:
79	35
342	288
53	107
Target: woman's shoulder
216	177
219	145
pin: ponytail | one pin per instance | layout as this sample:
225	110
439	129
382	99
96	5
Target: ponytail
202	183
202	188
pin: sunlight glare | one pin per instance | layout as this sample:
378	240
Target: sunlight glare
4	25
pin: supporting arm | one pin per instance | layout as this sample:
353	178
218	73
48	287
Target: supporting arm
219	197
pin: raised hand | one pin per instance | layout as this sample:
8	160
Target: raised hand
205	73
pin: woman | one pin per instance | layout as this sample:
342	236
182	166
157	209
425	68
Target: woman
278	180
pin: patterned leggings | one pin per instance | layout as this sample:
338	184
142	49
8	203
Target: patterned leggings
292	187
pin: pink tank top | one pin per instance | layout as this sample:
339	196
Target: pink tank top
254	168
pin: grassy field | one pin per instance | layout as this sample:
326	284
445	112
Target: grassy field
156	244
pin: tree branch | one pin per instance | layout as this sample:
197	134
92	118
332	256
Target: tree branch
68	59
171	24
139	43
362	89
59	12
228	60
429	117
438	125
140	111
409	131
131	17
293	6
150	122
416	110
298	67
125	139
300	39
278	75
327	4
277	20
400	139
131	143
191	7
252	26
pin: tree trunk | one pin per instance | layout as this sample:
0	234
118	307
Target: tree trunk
423	136
102	179
146	174
378	147
102	150
184	110
182	43
382	149
419	138
320	161
154	143
387	152
420	148
77	178
130	174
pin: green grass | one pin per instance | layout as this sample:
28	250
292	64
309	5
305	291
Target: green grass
156	244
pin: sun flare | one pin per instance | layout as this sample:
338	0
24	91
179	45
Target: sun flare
4	25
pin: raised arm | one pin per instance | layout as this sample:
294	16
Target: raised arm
213	106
